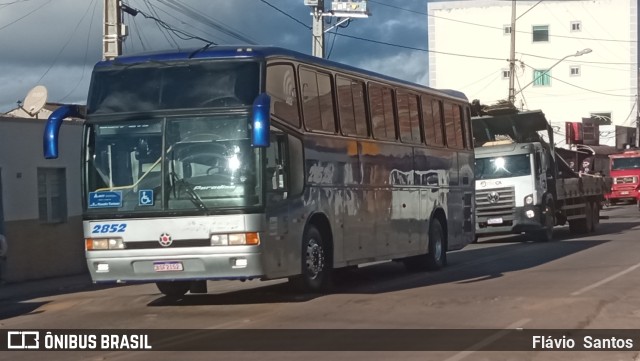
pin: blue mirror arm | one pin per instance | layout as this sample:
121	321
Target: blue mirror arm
52	129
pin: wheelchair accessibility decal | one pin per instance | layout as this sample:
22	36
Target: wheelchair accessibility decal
145	197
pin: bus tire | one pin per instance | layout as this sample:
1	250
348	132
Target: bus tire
435	258
315	273
173	289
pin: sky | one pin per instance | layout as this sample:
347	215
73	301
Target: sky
56	43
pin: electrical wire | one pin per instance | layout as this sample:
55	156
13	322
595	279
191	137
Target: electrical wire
55	59
24	16
86	52
496	27
285	14
167	34
184	35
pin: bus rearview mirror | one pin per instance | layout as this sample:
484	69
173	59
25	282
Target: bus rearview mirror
260	121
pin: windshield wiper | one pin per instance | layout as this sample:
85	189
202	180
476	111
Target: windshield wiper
188	187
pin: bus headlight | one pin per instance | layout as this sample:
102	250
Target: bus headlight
96	244
235	239
528	200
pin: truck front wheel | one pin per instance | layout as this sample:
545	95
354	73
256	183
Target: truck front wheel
549	221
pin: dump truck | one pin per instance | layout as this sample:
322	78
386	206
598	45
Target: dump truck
522	183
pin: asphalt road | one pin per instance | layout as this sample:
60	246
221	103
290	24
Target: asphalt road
500	283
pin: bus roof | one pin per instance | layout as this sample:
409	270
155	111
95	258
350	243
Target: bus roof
262	53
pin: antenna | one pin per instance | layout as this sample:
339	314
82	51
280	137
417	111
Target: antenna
34	101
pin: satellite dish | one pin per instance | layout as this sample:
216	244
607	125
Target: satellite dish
36	99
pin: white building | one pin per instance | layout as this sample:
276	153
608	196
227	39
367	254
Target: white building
40	206
602	83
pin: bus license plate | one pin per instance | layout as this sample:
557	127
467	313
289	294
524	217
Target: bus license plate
494	221
624	192
167	266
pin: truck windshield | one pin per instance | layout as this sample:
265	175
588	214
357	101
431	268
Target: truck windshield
625	163
196	163
503	167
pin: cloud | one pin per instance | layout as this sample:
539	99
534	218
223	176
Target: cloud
51	42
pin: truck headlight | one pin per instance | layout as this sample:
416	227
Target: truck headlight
528	200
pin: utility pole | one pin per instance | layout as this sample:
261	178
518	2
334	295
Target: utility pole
512	55
637	122
344	10
113	29
317	45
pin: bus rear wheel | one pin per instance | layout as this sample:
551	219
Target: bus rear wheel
436	258
315	273
173	289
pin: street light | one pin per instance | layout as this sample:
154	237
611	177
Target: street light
578	53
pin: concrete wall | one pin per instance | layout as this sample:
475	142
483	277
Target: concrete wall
608	79
35	249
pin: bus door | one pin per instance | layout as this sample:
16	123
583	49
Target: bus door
283	226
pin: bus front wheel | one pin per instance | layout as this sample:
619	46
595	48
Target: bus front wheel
315	272
175	289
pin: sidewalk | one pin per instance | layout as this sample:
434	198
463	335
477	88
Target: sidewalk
44	287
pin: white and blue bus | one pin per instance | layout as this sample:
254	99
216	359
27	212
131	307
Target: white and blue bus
262	163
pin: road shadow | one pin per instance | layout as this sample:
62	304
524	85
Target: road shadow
474	264
17	299
562	233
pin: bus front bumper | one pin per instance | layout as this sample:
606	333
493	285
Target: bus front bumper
185	264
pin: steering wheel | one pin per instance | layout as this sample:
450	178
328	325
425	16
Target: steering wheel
204	136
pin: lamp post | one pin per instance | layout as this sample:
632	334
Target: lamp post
578	53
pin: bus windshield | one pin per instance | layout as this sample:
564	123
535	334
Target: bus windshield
206	162
152	86
503	167
625	163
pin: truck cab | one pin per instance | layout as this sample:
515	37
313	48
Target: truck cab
512	183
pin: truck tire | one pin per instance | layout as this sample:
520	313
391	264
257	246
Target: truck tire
595	207
546	234
582	225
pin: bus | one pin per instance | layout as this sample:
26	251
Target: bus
625	172
235	163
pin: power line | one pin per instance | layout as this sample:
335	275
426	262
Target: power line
66	43
29	13
86	52
496	27
576	61
184	35
166	36
287	15
579	87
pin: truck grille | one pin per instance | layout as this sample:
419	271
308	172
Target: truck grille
495	203
623	180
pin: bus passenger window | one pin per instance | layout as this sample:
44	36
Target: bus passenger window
317	101
382	118
408	120
281	87
432	122
351	107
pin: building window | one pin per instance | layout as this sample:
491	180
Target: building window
506	73
541	77
540	33
576	26
52	195
506	30
574	71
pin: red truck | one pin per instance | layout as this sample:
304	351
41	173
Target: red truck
625	172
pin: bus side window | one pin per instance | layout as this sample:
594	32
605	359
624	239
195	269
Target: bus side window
277	162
